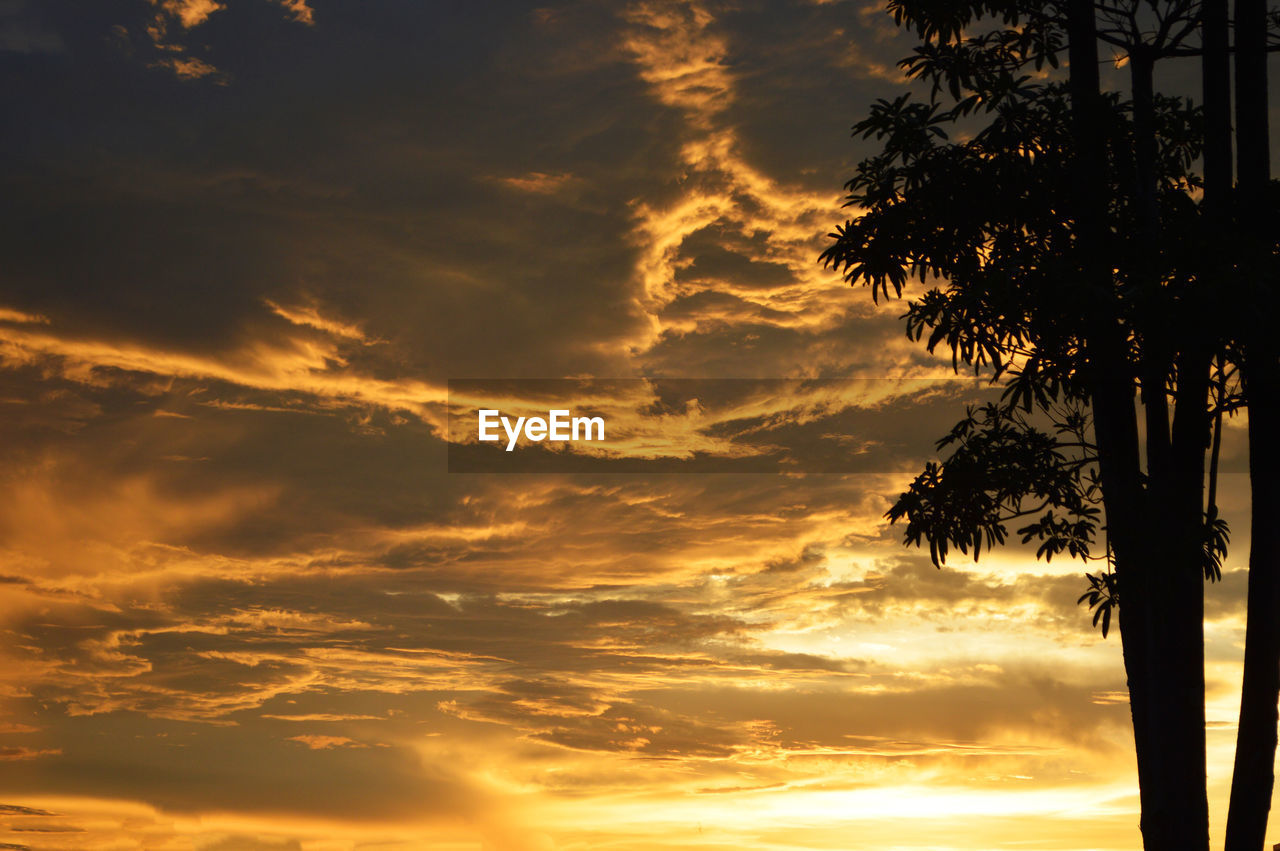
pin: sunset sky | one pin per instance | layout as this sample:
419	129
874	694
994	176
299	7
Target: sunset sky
252	253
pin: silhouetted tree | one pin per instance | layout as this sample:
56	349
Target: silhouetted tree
1077	267
1253	778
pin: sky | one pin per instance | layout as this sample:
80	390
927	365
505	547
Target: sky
259	255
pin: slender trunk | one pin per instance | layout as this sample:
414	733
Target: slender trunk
1185	590
1112	400
1216	92
1176	813
1254	772
1155	348
1216	82
1215	64
1253	777
1252	136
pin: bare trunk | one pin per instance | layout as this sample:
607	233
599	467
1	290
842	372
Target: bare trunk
1216	92
1112	398
1254	772
1176	810
1254	776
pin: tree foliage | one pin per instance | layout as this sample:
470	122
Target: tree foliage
986	220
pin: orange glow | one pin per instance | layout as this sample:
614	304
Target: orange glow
246	606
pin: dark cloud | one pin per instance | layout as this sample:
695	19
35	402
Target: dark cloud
841	55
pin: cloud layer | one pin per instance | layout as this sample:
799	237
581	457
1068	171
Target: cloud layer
247	247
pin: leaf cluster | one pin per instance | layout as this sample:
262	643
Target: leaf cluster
1002	467
1103	596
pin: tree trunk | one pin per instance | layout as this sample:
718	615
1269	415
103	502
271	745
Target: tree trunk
1215	66
1184	525
1155	531
1112	398
1254	777
1176	812
1254	772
